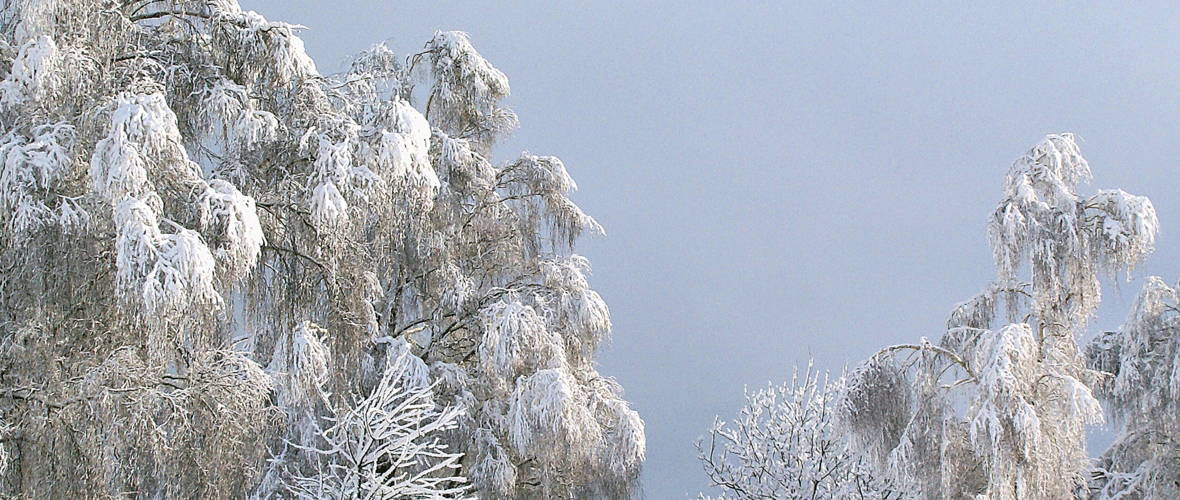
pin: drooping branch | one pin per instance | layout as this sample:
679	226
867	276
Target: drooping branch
928	347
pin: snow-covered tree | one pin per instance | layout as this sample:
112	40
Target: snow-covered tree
210	251
785	445
998	408
1140	364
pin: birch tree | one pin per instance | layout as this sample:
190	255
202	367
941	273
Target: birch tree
213	254
998	407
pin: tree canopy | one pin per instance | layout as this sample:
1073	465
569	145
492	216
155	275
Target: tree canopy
217	262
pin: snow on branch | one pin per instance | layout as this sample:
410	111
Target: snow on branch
230	224
299	366
1004	412
143	151
516	342
875	406
1124	227
31	72
34	74
31	169
493	470
463	99
546	179
624	430
248	36
227	107
143	135
785	444
385	446
167	273
575	307
336	178
548	407
405	146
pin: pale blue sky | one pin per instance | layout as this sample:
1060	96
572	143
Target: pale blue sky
788	180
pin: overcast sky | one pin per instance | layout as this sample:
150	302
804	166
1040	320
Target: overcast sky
784	180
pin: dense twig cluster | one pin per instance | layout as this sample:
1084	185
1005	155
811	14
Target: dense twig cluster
785	444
